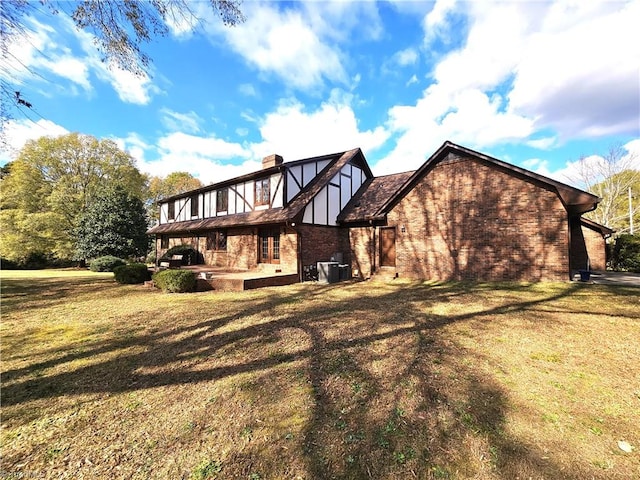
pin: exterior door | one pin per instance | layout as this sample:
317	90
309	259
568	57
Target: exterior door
388	247
269	246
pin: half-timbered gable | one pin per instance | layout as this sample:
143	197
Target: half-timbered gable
226	198
325	207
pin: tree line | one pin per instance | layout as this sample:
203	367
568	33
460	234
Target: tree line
75	197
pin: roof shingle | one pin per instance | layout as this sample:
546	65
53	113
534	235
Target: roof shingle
365	205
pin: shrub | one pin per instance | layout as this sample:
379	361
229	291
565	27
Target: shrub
6	264
106	263
132	273
625	253
35	261
189	254
175	281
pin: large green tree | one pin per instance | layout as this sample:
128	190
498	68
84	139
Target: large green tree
173	184
51	183
115	224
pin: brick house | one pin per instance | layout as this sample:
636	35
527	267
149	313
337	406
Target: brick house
461	215
280	218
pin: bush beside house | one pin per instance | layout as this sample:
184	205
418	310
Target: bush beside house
625	253
175	281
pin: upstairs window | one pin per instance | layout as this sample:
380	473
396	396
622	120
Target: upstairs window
217	240
172	210
194	206
222	200
263	194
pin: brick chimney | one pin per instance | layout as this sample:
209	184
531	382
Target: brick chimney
271	161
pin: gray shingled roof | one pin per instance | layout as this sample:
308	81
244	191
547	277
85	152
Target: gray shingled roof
375	193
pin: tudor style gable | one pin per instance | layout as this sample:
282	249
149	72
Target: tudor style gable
312	191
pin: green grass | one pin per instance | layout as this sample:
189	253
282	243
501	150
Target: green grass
353	380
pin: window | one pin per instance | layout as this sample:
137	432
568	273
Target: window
194	206
217	240
263	194
222	200
164	241
172	210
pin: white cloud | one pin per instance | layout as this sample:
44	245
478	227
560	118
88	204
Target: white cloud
579	73
284	43
408	56
469	117
46	55
435	22
183	122
247	90
202	156
524	70
343	21
18	132
130	88
295	133
412	80
39	51
135	145
542	143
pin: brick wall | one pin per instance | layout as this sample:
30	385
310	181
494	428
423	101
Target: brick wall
469	220
596	248
363	250
242	248
288	250
321	243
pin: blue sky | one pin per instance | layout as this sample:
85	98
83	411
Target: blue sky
538	84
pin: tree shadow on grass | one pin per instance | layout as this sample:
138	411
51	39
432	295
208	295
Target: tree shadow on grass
392	394
38	293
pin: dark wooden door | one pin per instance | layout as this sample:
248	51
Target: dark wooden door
388	247
269	246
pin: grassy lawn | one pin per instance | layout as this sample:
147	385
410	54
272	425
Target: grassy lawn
355	380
